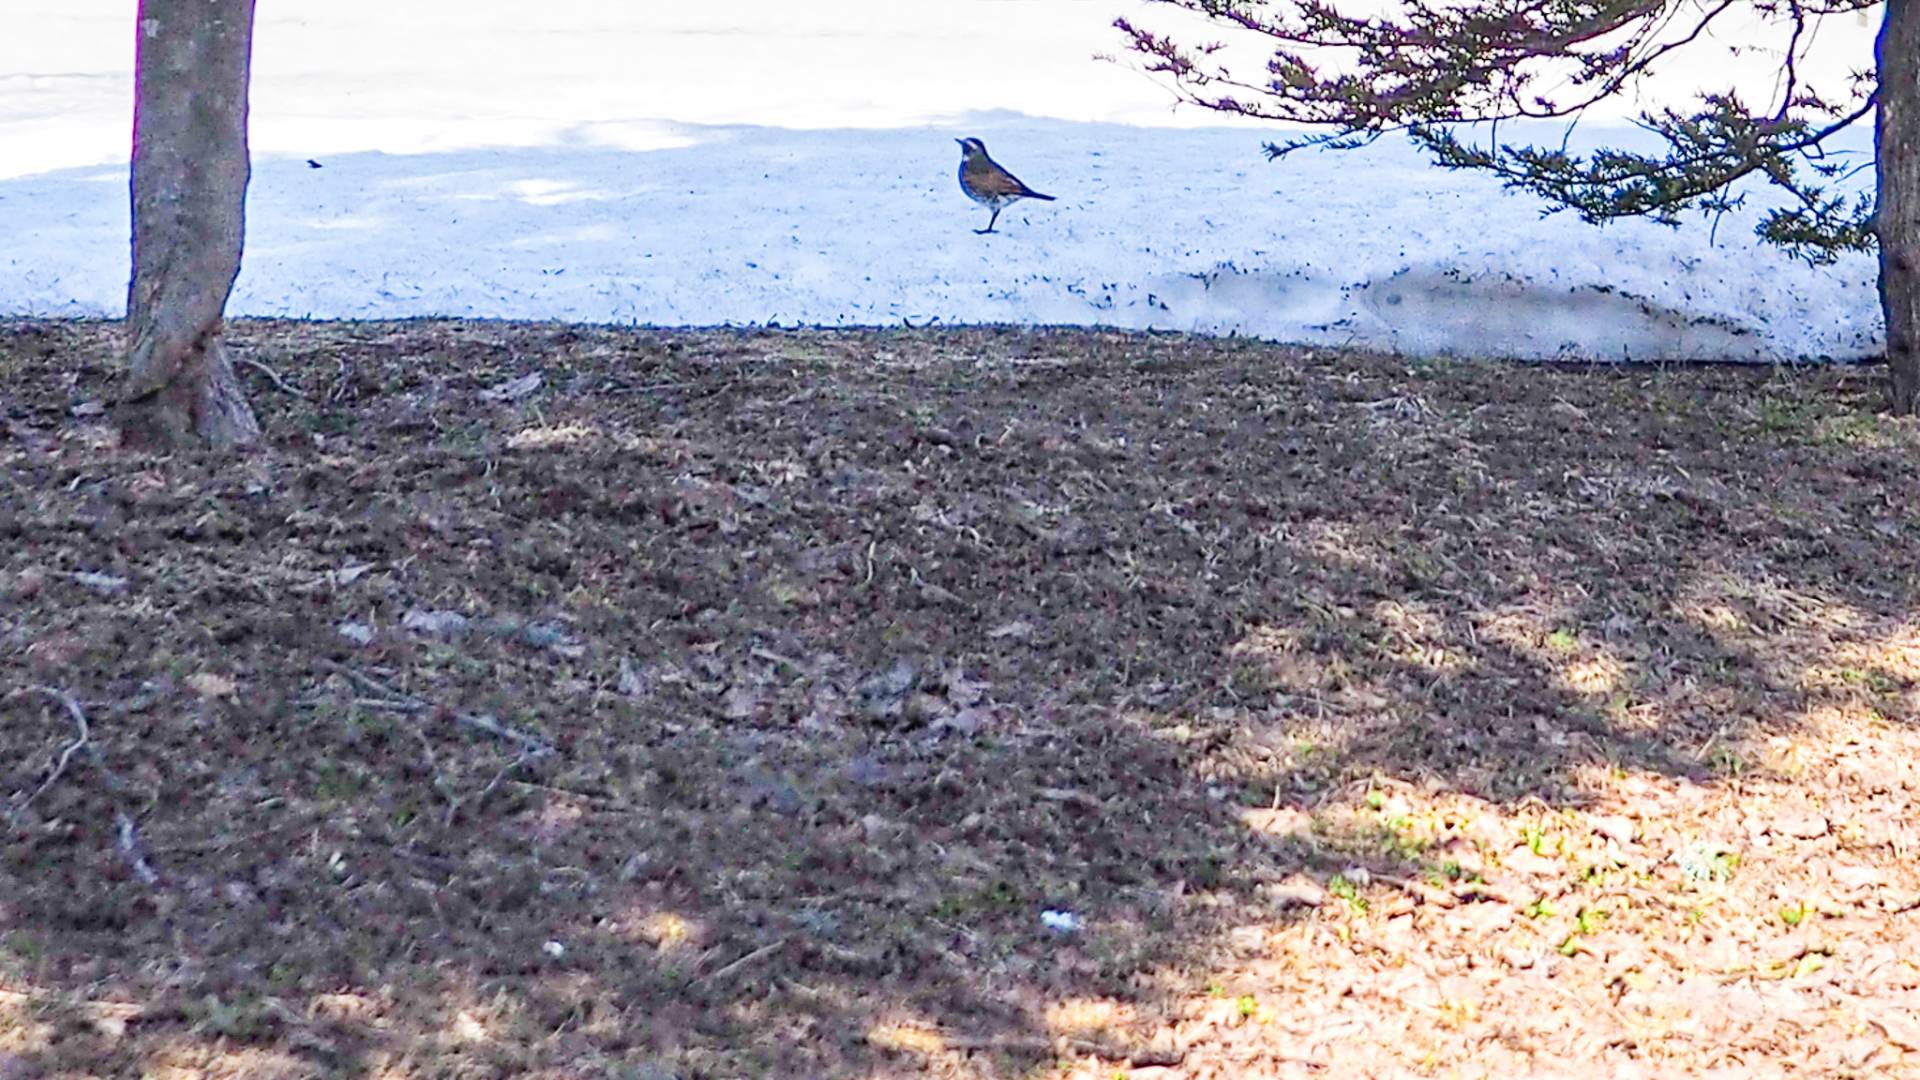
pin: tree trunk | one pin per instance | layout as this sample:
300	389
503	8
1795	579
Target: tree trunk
1897	206
190	172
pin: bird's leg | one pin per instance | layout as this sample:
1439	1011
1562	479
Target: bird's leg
990	221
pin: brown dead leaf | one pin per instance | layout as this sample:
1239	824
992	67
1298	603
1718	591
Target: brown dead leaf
1482	918
1798	826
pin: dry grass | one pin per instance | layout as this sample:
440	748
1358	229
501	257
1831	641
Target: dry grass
1375	718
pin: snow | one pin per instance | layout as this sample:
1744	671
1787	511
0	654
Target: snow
767	162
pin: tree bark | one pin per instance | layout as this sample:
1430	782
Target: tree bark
189	189
1897	206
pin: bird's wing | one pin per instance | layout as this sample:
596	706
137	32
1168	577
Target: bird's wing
998	181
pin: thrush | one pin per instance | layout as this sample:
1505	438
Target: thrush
986	183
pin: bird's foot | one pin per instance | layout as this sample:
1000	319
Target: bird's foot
982	232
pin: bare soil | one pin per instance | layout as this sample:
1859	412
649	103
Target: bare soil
733	705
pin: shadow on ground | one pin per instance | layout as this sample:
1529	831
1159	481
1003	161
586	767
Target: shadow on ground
858	652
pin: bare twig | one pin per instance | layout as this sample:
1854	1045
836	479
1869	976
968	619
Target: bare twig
274	378
1070	796
453	809
79	721
130	847
642	388
604	802
390	705
394	701
370	684
772	657
1139	1057
223	843
482	722
760	953
426	747
127	833
341	382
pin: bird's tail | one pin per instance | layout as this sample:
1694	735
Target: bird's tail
1032	194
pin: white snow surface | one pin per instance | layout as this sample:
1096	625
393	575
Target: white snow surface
766	162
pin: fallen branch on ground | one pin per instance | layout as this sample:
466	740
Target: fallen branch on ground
603	802
454	805
274	377
126	832
1139	1057
758	954
395	701
79	721
483	722
223	843
642	388
130	848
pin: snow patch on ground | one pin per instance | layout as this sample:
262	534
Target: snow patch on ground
1154	229
449	186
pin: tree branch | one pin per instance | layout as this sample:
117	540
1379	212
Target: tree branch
1433	66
